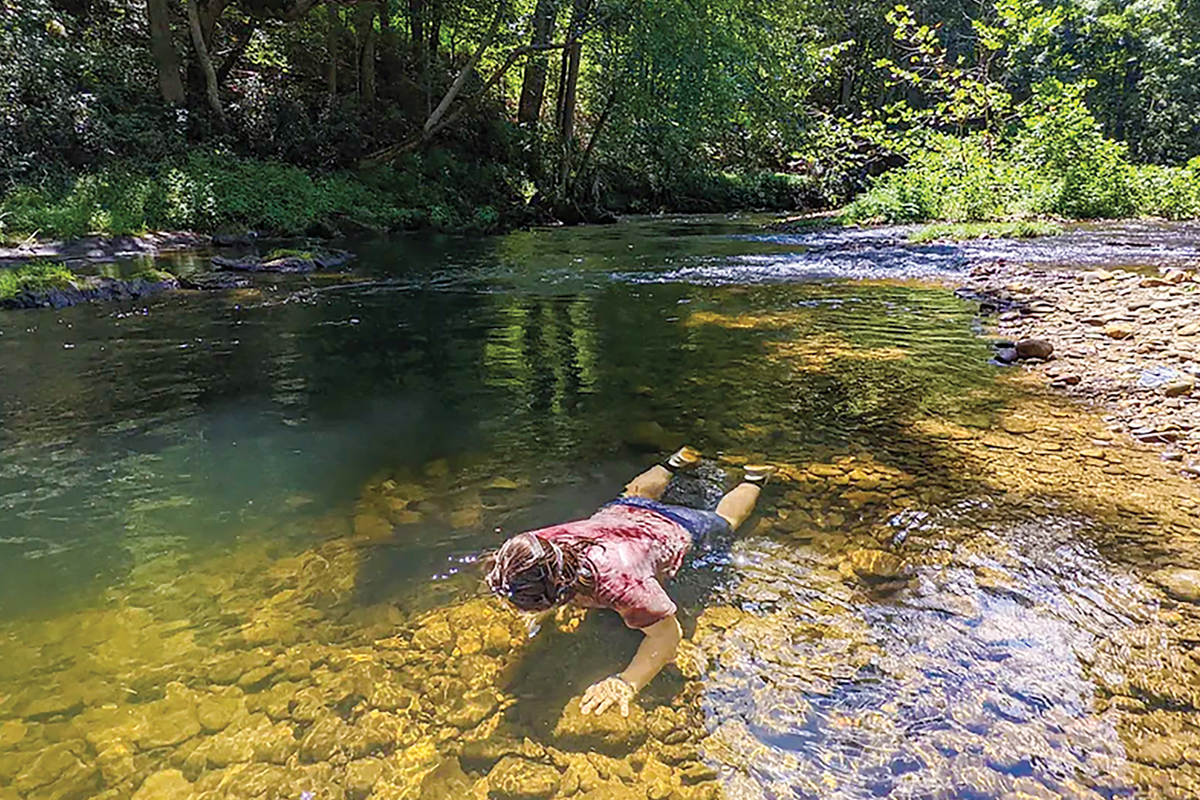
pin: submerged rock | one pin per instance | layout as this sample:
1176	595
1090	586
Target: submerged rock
608	733
876	566
166	785
516	778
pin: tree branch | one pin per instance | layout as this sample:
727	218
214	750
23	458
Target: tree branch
412	143
235	54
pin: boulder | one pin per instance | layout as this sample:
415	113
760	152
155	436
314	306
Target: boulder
608	733
519	779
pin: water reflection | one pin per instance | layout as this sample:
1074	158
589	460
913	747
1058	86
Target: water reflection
237	536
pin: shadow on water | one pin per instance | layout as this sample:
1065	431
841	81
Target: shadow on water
256	517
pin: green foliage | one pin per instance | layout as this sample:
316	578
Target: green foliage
207	192
1050	158
961	231
287	252
960	179
33	277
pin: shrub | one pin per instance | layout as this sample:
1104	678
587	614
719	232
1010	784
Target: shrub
32	277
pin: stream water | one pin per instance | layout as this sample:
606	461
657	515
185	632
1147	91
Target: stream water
239	531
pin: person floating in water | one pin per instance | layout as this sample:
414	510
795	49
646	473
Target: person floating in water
619	558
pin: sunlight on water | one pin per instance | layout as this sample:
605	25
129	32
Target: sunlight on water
239	537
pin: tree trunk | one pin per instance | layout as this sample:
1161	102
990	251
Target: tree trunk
566	129
170	84
533	83
433	32
365	25
456	87
331	71
416	33
210	75
235	55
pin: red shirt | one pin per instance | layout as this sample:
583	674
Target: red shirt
634	551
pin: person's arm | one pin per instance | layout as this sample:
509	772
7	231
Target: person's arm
659	647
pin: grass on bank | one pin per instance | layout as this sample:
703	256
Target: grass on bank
36	276
963	231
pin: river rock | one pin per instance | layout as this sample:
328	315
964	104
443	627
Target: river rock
1034	348
216	711
650	436
519	779
362	775
12	733
474	709
446	780
168	721
608	733
58	772
876	566
1182	584
166	785
1008	355
1178	388
1118	330
372	527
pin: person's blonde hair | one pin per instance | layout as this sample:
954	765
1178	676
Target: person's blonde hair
536	574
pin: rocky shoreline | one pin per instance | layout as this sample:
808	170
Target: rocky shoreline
1126	343
103	249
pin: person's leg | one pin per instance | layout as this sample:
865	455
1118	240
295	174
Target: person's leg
738	504
653	482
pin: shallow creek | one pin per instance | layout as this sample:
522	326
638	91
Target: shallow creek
239	533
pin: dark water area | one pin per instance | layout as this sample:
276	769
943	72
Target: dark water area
239	532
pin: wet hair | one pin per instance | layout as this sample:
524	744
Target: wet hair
536	574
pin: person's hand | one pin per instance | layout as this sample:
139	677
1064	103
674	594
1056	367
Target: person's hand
608	692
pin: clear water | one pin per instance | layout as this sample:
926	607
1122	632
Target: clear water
299	478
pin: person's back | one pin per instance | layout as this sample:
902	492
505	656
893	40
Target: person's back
619	558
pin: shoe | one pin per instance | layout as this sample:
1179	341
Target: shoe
758	474
683	458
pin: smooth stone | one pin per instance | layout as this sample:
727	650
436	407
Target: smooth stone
1117	330
1178	389
1008	356
1182	584
516	778
608	733
1034	348
166	785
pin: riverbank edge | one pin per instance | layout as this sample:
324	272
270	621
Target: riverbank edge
104	249
1125	343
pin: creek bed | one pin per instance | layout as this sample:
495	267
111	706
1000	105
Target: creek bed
238	534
